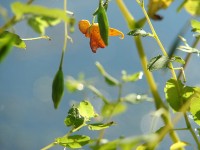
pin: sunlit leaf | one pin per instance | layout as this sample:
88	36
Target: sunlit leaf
195	105
136	98
108	78
100	126
131	78
177	93
130	143
195	25
40	23
17	41
178	145
20	9
138	32
158	62
74	141
74	118
193	7
112	109
86	110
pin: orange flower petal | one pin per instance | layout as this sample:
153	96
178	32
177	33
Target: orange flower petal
83	26
115	32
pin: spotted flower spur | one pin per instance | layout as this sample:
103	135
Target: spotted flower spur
92	31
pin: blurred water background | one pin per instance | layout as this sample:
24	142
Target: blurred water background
28	120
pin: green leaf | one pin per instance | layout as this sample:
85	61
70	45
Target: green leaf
20	9
5	47
158	62
195	105
100	126
193	7
74	141
86	110
73	85
195	25
102	20
136	98
178	145
108	78
74	118
177	94
58	88
112	109
178	59
138	32
40	23
131	78
112	145
131	142
17	41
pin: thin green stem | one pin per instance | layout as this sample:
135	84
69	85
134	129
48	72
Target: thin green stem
150	79
49	146
37	38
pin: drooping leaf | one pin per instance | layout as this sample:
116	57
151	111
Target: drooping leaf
178	145
136	98
100	126
108	78
158	62
195	25
20	9
138	32
58	88
40	23
177	93
193	7
74	118
112	109
131	78
86	110
195	105
74	141
16	40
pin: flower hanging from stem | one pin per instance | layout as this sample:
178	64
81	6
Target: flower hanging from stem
92	31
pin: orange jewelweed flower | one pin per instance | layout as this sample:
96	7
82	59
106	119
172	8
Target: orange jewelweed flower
92	31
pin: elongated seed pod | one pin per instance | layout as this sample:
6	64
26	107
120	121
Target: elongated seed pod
102	20
58	88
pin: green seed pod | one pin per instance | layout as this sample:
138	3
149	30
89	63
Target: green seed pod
102	20
58	88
